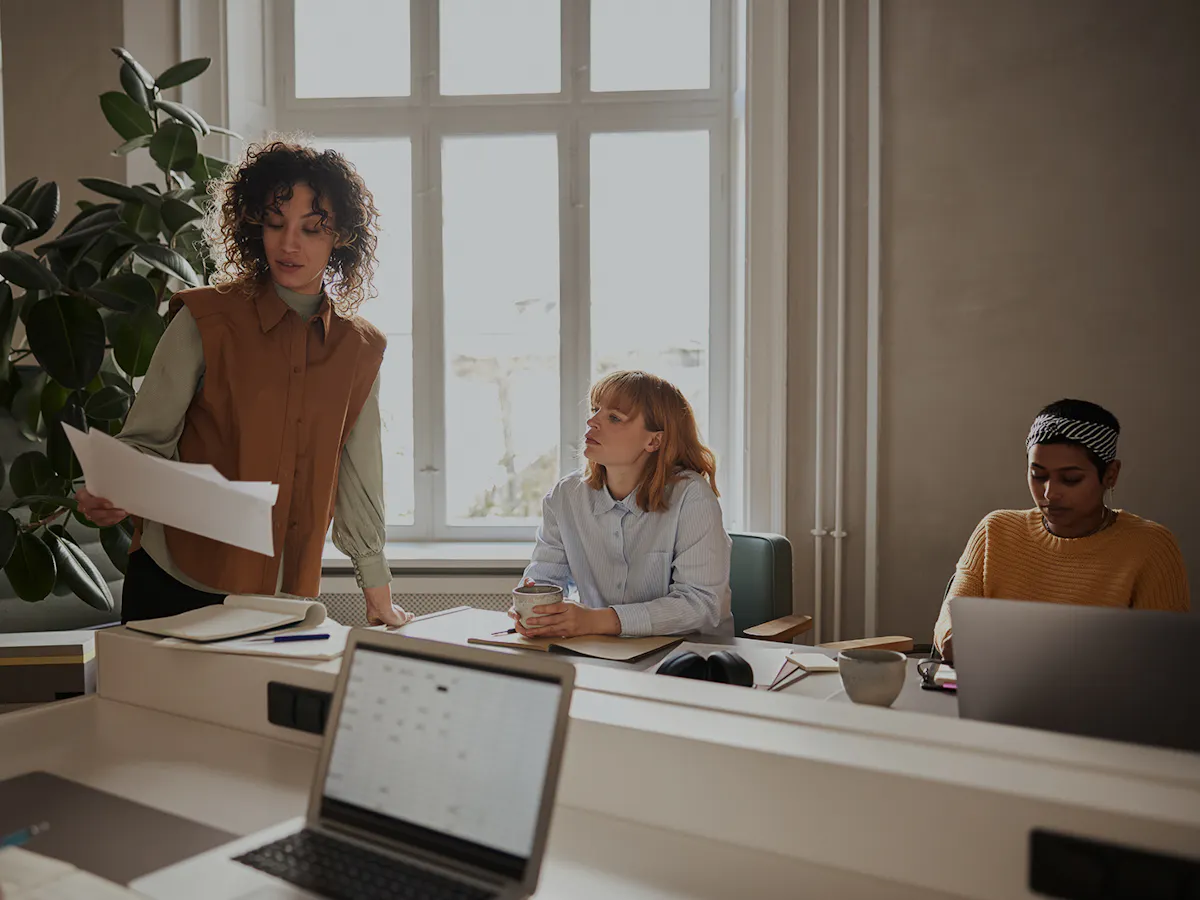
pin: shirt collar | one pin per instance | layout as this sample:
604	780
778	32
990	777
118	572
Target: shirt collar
602	502
272	309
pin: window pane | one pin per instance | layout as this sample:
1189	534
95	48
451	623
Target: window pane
352	48
650	258
650	45
386	167
500	276
500	47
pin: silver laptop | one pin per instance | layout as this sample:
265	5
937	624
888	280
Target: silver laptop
1121	674
436	779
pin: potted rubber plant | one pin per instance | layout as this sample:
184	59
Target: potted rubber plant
81	314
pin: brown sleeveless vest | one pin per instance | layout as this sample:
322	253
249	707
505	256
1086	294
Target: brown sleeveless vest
277	402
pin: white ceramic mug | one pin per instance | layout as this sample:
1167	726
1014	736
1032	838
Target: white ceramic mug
874	677
526	596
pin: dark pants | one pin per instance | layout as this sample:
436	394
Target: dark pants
149	592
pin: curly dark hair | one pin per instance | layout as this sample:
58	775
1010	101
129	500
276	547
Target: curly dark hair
263	179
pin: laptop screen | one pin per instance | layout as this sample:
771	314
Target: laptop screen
450	758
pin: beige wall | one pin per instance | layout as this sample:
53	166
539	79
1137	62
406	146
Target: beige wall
1040	176
57	62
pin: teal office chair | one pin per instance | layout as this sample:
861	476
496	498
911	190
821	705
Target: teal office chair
760	585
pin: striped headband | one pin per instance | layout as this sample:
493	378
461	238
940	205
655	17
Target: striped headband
1100	439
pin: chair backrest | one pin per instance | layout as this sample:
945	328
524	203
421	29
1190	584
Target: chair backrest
760	578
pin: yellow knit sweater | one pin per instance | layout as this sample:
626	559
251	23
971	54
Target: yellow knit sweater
1133	563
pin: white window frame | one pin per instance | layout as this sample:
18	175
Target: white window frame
748	308
574	114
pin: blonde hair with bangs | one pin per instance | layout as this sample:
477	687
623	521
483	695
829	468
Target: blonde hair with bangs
663	408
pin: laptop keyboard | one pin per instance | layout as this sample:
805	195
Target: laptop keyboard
343	871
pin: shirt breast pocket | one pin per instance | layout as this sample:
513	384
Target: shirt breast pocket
652	576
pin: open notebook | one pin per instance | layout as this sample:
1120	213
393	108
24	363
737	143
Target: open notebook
238	616
618	649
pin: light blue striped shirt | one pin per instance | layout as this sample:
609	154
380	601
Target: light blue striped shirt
664	572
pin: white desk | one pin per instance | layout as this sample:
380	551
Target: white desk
457	627
669	788
241	782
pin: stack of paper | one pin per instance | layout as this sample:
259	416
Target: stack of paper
30	876
190	496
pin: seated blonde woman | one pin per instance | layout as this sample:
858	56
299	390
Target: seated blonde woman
1070	547
637	533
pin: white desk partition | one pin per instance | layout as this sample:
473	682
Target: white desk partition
865	798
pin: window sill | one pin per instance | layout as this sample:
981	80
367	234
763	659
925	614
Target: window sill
436	557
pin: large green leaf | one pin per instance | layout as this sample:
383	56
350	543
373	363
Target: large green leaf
66	334
42	207
31	473
27	404
115	541
206	169
176	213
134	338
35	481
183	114
127	117
148	223
58	447
62	587
23	270
16	218
142	140
124	292
174	147
73	567
140	70
8	321
90	212
182	72
31	569
83	274
168	262
8	536
147	193
93	228
133	86
109	403
110	188
18	196
54	398
217	129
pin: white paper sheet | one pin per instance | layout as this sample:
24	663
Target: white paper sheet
31	876
183	495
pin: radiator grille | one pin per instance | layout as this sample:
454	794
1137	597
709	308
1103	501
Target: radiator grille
350	609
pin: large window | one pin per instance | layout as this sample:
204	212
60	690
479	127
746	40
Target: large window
556	194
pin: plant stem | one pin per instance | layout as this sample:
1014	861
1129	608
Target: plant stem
33	526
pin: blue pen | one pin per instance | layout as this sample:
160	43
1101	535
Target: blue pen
284	638
17	838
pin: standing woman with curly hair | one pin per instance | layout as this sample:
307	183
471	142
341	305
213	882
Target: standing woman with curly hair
270	376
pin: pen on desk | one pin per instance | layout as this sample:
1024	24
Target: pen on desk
509	631
17	838
284	638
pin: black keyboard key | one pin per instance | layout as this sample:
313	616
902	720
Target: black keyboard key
343	871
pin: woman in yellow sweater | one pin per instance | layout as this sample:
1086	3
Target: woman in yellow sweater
1071	547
